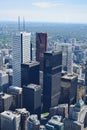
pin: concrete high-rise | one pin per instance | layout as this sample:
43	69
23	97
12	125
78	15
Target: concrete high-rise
21	54
1	60
4	83
51	79
70	61
17	97
67	57
41	47
24	116
5	101
10	120
33	123
77	119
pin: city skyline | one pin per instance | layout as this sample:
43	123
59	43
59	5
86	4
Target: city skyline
44	11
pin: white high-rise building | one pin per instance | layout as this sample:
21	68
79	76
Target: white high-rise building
70	60
1	60
67	56
21	54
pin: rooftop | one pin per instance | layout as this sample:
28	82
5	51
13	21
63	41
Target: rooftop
52	52
33	86
9	115
31	63
69	77
15	89
4	95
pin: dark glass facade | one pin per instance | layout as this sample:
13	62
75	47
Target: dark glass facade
30	73
86	76
41	47
68	89
32	98
51	79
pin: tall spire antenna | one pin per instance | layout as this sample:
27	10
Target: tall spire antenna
23	24
19	23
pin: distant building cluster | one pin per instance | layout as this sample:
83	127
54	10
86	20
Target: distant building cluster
49	93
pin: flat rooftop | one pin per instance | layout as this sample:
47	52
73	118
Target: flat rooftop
69	77
9	115
31	63
33	86
5	96
52	52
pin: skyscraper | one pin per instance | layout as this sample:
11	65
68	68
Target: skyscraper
10	120
24	116
4	83
33	123
1	60
70	61
17	96
30	73
5	101
68	88
21	54
51	79
32	98
86	76
67	57
41	47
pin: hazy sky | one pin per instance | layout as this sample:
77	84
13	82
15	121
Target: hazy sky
44	10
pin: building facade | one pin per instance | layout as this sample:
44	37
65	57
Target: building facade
30	73
10	121
4	81
41	47
51	79
17	97
21	54
33	123
68	89
1	60
86	77
5	101
67	57
32	98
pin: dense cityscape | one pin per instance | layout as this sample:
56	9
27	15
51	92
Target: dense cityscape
43	76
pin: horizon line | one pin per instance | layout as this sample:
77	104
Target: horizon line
54	22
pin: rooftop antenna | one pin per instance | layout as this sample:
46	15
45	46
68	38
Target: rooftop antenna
23	24
19	23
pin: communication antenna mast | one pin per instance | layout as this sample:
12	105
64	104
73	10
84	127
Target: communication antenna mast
23	24
19	23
